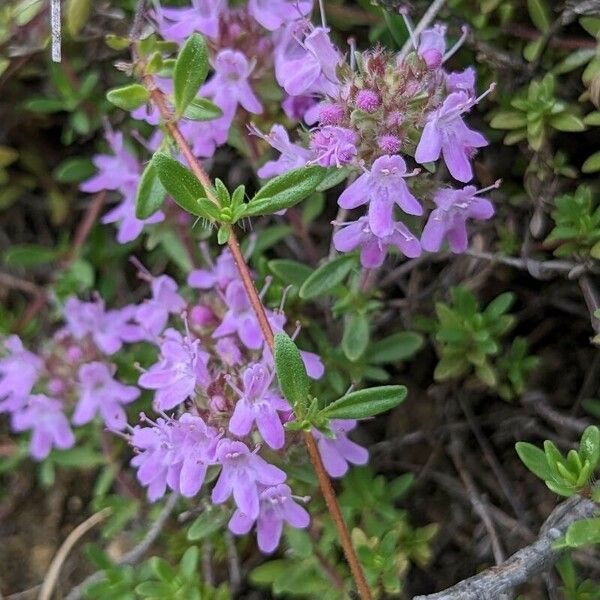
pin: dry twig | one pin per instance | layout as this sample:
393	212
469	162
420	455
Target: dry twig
525	564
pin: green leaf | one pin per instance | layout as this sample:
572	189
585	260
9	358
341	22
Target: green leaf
291	372
285	191
180	183
509	120
396	347
327	276
74	170
290	272
356	336
29	255
201	109
535	460
592	163
333	178
567	121
154	590
189	562
150	193
589	447
128	97
499	305
540	16
208	523
574	61
78	12
366	403
191	69
583	533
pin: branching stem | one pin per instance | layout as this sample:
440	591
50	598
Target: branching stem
325	483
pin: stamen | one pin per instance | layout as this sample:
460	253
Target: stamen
322	10
488	91
143	272
286	291
459	43
296	331
409	26
233	386
352	44
268	282
206	255
494	186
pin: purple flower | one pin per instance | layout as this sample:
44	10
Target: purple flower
109	329
446	133
374	248
382	187
276	507
100	393
461	81
181	368
50	428
130	226
449	219
272	14
296	107
292	156
339	451
241	474
229	85
241	319
228	351
117	171
389	143
219	276
259	404
173	453
206	136
333	146
331	114
308	66
180	23
432	46
19	372
153	314
368	101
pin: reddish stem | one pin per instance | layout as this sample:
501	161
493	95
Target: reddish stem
325	483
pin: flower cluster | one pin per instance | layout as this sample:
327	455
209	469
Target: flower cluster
212	373
389	111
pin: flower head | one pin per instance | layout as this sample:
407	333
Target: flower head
339	451
50	428
307	66
177	24
19	371
259	404
446	133
100	393
292	155
449	219
272	14
229	85
382	187
181	368
242	472
432	46
333	146
276	508
374	248
153	314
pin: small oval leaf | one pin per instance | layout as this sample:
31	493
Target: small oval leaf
128	97
366	403
191	69
150	193
327	276
291	372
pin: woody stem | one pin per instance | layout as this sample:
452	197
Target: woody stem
324	482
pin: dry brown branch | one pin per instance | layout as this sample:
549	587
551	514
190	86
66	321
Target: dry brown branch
525	564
